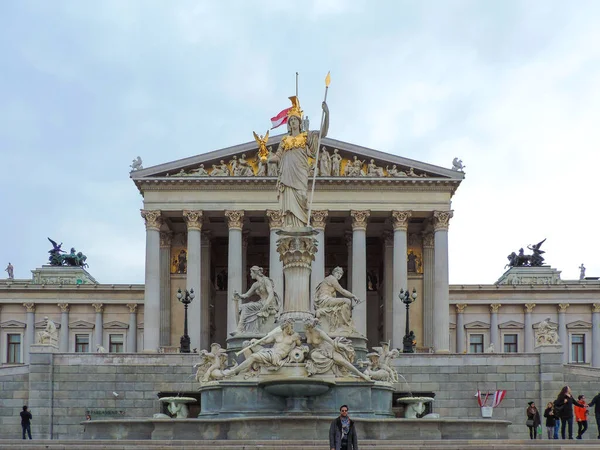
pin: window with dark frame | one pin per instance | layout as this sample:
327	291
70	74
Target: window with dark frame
115	343
82	343
476	343
511	343
13	348
578	348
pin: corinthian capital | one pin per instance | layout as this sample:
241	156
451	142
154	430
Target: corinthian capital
494	307
193	219
152	219
132	307
275	219
529	307
165	238
98	307
400	219
428	240
562	307
596	308
359	219
460	308
235	219
30	307
64	307
318	218
441	219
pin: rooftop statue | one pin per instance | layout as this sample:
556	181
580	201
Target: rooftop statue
325	163
73	259
457	165
581	272
220	170
336	161
136	164
292	155
520	259
10	270
263	153
394	172
373	170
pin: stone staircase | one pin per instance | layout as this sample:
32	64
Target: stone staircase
297	445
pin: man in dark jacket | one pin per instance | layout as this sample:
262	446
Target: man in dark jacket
26	421
342	432
596	404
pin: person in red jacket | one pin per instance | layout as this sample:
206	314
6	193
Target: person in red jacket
581	416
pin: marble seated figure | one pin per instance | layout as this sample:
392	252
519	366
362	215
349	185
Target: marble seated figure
335	313
49	336
258	316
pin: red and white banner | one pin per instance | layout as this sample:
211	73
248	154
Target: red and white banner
484	401
498	397
280	119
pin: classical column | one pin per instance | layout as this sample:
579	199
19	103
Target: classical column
99	328
318	220
400	220
596	336
235	221
205	295
132	332
388	284
359	268
441	320
29	330
193	220
428	290
275	265
460	328
63	345
348	236
494	307
152	284
562	331
245	236
165	288
528	335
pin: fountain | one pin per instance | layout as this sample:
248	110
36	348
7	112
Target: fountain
178	406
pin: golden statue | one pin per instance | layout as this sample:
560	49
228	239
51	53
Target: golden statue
262	145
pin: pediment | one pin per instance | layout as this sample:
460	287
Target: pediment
42	324
115	325
407	169
81	325
511	325
478	325
579	325
12	324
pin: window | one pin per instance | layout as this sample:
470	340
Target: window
13	348
510	343
476	343
82	343
115	343
578	348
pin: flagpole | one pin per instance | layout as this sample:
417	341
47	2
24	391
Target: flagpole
296	84
312	192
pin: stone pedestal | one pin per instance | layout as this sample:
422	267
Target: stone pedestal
62	275
530	275
40	389
297	248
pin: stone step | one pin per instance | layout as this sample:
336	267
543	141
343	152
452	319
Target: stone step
300	444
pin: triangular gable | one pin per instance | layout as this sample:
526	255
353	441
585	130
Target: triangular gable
579	325
250	149
42	324
13	324
477	325
82	325
115	325
511	325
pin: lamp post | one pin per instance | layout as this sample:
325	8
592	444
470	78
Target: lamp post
186	299
407	299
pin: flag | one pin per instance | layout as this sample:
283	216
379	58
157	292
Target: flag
484	401
498	397
280	119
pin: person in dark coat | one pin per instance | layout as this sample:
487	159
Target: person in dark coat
26	421
533	420
550	420
564	404
596	404
342	432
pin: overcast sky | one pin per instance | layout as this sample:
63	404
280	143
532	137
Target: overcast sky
510	87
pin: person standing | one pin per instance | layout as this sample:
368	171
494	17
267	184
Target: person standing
533	420
550	420
581	416
342	432
596	404
564	403
26	421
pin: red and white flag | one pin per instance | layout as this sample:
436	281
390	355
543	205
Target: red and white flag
280	119
498	397
478	395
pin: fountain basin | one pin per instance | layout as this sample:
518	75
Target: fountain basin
414	406
178	406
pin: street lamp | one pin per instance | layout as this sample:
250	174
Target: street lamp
186	299
407	299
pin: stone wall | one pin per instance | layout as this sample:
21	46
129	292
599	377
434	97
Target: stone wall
14	393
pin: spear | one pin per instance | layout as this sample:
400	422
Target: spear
312	191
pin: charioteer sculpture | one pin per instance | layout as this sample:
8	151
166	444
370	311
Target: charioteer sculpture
520	259
72	259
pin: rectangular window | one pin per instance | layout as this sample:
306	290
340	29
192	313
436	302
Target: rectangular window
578	348
115	343
13	348
82	343
476	343
510	343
